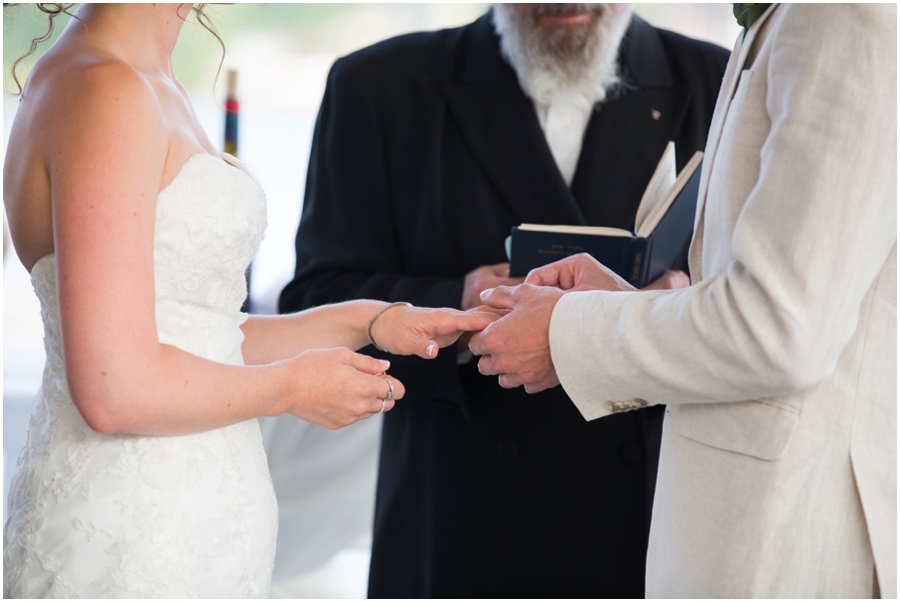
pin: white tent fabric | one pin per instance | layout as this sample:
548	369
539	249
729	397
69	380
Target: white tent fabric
325	484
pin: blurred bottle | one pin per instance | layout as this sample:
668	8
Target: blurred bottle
231	147
231	115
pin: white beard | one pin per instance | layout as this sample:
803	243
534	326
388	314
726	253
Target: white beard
583	76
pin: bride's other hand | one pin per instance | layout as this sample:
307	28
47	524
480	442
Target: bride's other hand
422	331
337	387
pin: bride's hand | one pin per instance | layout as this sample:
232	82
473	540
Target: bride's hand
337	387
422	331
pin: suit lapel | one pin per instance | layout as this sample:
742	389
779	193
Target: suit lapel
500	125
627	134
741	51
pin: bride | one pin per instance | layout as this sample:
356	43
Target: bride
143	474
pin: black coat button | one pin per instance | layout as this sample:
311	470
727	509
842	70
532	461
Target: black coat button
631	454
507	449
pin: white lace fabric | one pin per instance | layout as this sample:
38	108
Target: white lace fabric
98	515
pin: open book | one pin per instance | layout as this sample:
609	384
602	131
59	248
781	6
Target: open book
663	227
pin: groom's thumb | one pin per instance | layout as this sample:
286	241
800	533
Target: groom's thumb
499	298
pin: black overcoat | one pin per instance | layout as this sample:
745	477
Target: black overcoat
426	152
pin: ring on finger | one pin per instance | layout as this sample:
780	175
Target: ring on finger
390	394
382	406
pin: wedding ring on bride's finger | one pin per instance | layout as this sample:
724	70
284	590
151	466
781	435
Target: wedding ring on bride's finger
390	394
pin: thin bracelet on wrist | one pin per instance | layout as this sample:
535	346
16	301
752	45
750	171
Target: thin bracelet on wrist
375	317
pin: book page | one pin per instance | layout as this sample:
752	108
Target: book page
663	179
658	212
592	230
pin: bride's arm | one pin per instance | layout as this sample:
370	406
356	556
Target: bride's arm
400	330
104	142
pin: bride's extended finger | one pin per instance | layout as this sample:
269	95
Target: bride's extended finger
452	321
476	321
481	309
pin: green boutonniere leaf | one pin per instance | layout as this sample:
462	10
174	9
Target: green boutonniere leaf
748	12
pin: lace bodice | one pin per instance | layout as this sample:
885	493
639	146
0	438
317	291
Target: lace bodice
98	515
209	223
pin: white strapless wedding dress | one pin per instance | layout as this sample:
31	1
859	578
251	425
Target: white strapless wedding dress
95	515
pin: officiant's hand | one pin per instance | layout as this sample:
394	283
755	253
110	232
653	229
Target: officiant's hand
517	346
337	387
422	331
584	273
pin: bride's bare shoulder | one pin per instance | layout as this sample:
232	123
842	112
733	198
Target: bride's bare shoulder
80	102
73	111
90	84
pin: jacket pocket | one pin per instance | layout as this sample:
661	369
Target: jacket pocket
761	429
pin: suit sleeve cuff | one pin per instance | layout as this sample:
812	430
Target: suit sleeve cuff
578	351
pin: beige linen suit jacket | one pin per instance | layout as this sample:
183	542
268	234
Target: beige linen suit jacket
778	468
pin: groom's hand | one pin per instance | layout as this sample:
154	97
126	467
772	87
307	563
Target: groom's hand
478	280
517	346
578	273
584	273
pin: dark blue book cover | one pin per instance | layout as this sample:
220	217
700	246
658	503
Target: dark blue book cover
622	254
638	260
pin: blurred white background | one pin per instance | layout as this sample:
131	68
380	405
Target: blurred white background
282	53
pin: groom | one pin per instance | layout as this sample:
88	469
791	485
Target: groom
778	468
428	149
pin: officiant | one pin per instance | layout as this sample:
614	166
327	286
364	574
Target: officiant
428	148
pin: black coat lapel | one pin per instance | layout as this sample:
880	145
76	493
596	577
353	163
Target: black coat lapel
500	125
626	136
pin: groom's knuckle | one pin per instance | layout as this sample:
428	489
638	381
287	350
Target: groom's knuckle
506	365
483	342
492	339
